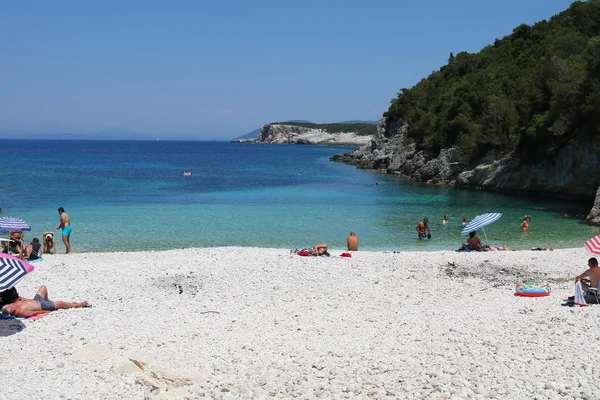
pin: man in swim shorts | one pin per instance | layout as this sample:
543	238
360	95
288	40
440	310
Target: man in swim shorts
593	273
39	305
65	225
423	227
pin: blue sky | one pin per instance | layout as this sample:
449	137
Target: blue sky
215	70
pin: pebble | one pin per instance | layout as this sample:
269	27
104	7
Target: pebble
399	338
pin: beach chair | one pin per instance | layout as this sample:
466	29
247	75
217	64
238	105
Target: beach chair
592	294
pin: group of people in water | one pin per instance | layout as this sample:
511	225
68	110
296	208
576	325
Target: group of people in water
36	249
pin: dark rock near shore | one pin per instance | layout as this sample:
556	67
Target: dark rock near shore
594	216
574	172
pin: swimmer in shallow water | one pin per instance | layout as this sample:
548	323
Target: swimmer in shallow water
525	223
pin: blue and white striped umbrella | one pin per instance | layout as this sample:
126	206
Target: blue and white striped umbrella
12	270
479	222
13	224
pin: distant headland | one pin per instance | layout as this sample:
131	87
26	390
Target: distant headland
349	133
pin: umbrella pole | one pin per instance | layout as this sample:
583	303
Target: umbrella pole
482	228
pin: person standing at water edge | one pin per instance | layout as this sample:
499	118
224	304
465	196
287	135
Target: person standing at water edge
65	225
352	241
422	227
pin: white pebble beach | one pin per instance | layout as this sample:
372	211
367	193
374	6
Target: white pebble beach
238	322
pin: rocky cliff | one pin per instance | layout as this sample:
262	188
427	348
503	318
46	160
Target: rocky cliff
594	216
292	134
574	172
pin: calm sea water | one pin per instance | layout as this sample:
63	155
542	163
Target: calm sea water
132	195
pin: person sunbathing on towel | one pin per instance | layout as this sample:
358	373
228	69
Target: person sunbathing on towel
593	274
39	305
319	250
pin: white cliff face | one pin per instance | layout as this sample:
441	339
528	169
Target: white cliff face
291	134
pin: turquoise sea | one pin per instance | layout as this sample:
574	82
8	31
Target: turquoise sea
132	195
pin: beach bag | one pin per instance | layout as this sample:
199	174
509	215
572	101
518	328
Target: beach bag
345	255
303	253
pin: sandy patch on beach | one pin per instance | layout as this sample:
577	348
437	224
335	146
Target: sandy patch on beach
253	323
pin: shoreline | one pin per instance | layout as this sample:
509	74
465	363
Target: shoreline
233	322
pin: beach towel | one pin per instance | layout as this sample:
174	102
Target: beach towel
33	318
579	295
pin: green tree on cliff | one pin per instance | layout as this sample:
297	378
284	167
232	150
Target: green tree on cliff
527	94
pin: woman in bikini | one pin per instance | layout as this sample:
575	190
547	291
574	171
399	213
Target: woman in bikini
525	223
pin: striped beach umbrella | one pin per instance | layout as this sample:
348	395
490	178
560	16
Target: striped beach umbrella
479	222
13	224
12	270
593	245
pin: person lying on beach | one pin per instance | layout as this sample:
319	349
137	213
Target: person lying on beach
40	304
8	296
49	242
593	274
34	251
352	241
319	250
423	227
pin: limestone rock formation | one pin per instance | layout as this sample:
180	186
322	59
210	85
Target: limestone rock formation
292	134
574	172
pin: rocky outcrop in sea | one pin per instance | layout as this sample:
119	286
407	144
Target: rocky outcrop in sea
292	134
574	172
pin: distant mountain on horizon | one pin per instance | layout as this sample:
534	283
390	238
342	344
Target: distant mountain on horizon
112	133
254	133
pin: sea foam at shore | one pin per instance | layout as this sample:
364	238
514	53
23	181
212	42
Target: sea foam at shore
252	323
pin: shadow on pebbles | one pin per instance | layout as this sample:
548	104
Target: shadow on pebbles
496	275
179	283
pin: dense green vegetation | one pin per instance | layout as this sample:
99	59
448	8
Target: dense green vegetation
528	94
360	129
